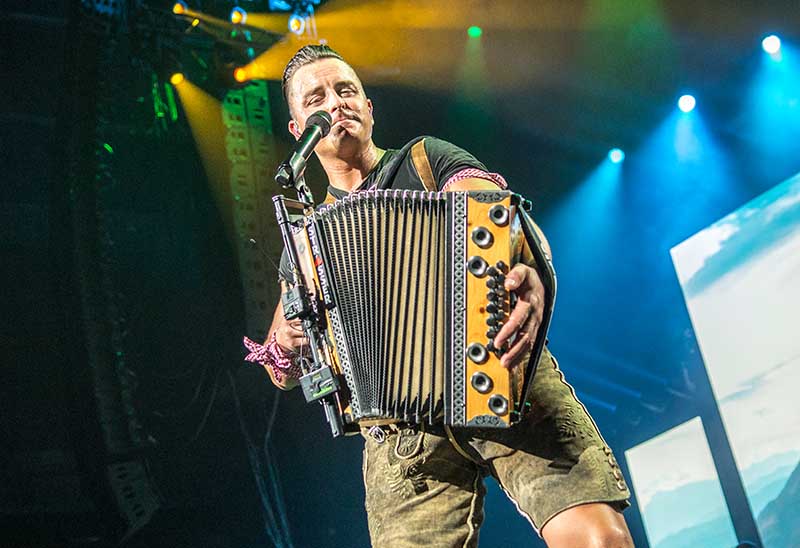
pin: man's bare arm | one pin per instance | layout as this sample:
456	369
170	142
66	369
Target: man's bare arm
289	335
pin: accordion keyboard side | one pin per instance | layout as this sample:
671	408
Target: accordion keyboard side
489	241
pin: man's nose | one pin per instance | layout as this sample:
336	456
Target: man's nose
337	103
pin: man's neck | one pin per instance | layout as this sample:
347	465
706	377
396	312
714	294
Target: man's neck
348	173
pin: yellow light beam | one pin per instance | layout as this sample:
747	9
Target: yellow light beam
419	44
204	114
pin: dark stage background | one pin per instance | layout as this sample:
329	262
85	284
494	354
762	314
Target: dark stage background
128	413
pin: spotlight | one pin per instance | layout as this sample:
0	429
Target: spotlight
616	155
297	24
179	8
474	32
238	16
195	22
240	74
687	103
771	44
176	78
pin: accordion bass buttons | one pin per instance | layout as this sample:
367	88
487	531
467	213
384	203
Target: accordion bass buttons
495	320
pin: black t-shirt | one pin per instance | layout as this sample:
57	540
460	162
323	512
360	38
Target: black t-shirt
396	170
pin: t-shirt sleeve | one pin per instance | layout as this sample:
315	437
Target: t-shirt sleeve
447	159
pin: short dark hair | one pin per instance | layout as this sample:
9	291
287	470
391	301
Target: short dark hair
304	56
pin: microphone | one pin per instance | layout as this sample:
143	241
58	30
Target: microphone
318	125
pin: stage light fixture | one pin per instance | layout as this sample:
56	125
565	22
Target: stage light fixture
616	155
474	32
771	44
179	8
297	24
240	74
195	22
687	103
238	16
176	78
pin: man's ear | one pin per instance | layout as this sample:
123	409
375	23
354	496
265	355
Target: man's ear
369	105
294	129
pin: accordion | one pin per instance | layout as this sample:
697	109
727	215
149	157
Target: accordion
404	295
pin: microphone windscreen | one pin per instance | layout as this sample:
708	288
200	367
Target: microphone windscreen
322	120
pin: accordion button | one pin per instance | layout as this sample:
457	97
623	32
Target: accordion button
499	215
477	266
492	308
482	237
481	382
477	353
498	404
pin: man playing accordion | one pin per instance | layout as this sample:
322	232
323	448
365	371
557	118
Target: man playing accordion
424	484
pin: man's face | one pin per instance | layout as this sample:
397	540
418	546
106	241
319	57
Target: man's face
331	85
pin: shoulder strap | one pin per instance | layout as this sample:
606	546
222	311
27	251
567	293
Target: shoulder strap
423	166
329	199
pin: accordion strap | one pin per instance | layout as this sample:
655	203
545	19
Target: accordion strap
423	166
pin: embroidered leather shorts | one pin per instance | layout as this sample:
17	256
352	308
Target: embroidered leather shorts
424	487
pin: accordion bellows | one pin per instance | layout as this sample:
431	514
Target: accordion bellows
409	286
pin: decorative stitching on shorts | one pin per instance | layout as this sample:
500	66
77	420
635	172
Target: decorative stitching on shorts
406	481
403	448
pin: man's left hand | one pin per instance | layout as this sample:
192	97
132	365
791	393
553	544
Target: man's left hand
525	318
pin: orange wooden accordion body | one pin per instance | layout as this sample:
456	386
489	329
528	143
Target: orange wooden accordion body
408	292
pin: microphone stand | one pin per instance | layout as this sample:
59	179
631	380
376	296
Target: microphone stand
319	382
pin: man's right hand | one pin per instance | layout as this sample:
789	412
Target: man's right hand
289	333
290	337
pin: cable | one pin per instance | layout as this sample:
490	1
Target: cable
272	416
278	533
195	396
207	412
